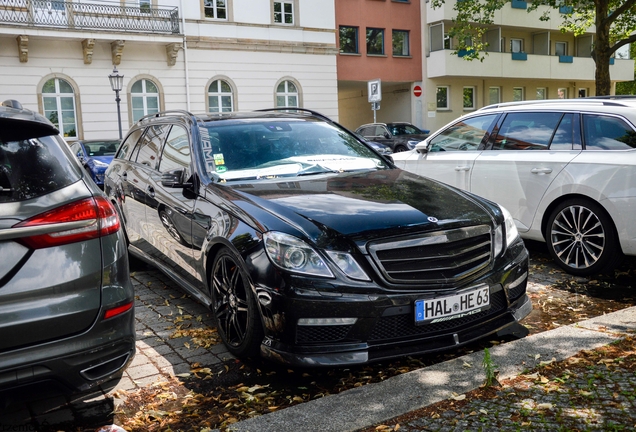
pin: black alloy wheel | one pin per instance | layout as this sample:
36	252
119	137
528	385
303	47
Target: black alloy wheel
234	307
399	149
582	239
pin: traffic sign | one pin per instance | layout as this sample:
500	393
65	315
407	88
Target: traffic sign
375	90
417	91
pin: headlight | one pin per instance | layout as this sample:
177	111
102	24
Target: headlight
291	253
99	164
348	265
509	229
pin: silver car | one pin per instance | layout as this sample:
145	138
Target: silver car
66	300
565	169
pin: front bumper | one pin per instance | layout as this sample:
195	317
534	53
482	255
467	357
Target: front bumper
385	325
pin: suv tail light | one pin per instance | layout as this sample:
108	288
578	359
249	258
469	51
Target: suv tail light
78	221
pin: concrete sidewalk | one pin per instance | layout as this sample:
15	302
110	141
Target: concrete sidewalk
362	407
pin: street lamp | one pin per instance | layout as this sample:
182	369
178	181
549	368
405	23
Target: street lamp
116	83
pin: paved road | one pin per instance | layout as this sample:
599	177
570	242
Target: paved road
167	323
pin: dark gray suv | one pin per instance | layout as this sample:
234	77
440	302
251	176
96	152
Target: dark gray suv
66	300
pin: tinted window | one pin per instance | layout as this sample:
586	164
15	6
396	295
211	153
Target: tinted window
126	149
564	135
527	131
466	134
150	144
101	148
404	130
32	168
176	152
607	133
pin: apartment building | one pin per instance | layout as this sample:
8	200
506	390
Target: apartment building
199	55
527	59
379	40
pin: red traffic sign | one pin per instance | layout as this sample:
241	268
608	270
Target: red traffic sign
417	91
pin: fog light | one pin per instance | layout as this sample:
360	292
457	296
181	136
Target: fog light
326	321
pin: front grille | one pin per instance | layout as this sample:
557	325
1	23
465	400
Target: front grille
312	334
403	326
442	259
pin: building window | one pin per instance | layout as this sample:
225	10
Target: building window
287	94
375	41
144	5
443	93
349	40
562	93
516	45
401	43
284	12
144	96
561	48
469	98
215	9
582	92
58	99
541	93
517	94
494	95
220	98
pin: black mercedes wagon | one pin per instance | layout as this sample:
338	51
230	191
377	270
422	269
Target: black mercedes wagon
309	247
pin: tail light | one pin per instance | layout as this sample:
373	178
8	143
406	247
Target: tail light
78	221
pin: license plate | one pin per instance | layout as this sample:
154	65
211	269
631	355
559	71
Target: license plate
451	307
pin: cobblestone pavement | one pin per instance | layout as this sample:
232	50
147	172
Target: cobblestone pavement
595	391
167	323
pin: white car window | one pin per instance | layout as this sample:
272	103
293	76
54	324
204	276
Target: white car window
467	134
607	133
527	131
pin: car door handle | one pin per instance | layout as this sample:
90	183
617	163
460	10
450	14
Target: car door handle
462	168
150	191
541	170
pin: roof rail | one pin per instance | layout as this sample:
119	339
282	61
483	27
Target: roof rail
598	100
164	114
316	113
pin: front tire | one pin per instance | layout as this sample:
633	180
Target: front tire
582	239
234	307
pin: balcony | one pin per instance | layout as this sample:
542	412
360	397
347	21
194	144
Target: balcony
502	65
70	15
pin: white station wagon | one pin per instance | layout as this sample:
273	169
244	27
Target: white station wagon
564	169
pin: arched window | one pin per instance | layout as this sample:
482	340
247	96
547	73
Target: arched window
220	98
145	99
58	99
287	94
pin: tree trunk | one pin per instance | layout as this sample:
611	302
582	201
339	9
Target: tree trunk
602	50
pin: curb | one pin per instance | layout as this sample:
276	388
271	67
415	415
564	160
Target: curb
365	406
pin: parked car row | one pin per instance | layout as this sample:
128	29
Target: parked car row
399	136
565	169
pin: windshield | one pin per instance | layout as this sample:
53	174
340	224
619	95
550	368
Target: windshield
101	148
273	148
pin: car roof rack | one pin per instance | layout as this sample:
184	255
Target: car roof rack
305	110
593	100
165	114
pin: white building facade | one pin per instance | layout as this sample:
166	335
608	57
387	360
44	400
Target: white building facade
196	55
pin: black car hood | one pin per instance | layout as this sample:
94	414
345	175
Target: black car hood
411	137
360	206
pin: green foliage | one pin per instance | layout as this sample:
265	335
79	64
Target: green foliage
489	368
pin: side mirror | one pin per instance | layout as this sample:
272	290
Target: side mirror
422	147
174	179
387	135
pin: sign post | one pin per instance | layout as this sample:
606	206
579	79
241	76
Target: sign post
375	96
